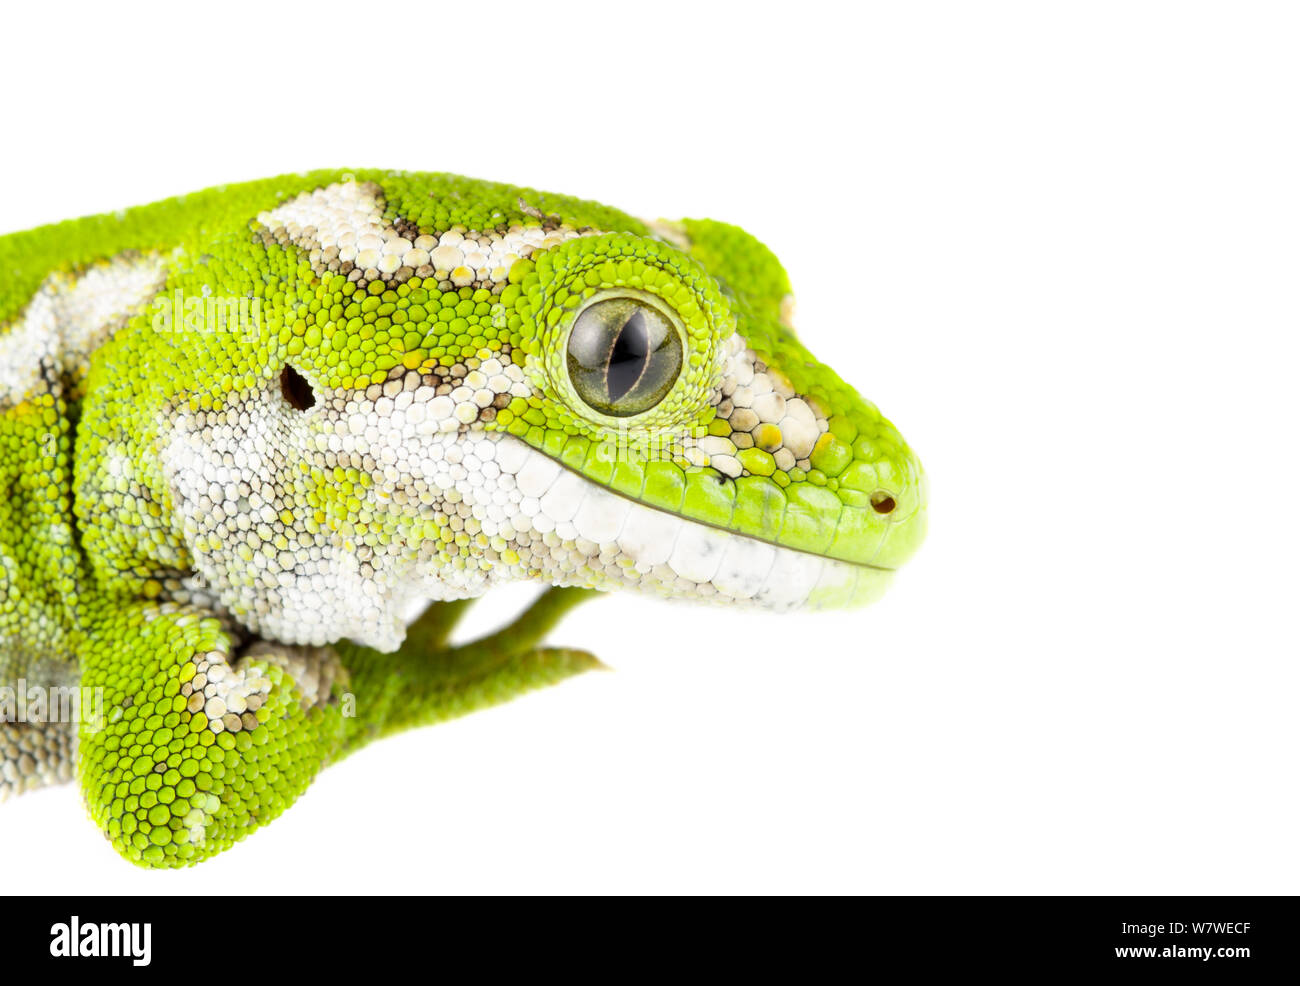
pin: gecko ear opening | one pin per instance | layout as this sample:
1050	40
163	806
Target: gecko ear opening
296	390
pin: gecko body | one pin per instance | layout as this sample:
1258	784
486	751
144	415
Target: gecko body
246	432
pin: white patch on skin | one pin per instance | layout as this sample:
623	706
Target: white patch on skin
511	512
70	317
344	223
339	215
764	411
744	568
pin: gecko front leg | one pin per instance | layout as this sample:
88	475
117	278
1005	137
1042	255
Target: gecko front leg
201	744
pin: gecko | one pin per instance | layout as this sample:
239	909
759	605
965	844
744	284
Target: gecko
261	445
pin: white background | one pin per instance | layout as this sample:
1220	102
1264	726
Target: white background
1056	243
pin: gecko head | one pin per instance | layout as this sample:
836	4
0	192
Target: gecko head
590	400
665	371
448	386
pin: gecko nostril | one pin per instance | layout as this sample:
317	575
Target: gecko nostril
296	390
882	502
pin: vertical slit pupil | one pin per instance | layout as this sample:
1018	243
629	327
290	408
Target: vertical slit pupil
628	357
296	390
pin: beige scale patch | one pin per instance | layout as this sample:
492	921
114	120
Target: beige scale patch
70	316
342	229
764	412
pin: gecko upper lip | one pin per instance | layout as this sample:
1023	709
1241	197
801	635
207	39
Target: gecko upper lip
731	530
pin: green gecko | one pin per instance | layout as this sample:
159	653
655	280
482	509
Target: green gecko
246	433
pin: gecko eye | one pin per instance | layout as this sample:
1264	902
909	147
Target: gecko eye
624	355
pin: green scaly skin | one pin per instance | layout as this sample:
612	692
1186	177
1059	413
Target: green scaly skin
243	433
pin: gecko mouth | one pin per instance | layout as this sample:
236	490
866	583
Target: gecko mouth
652	548
741	534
